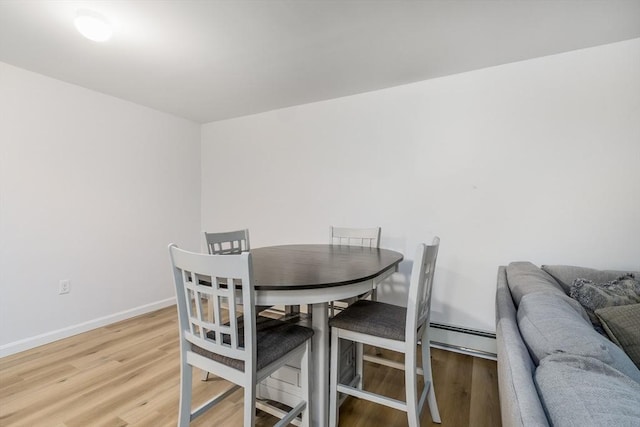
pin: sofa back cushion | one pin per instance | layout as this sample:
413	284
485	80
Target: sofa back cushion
565	275
524	277
583	391
552	324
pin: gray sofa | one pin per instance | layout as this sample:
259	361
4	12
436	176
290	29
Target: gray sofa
554	368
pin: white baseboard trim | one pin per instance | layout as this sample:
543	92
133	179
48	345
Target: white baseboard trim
463	340
48	337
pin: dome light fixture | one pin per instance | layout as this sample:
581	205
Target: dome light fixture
93	26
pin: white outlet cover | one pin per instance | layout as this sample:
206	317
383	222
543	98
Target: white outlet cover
64	287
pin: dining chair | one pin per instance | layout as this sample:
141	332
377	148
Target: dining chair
394	328
349	236
229	242
364	237
236	345
234	242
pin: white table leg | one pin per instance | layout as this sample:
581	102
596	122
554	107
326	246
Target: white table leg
320	394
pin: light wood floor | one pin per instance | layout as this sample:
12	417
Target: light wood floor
128	374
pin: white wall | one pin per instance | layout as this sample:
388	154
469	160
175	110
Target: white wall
536	160
92	189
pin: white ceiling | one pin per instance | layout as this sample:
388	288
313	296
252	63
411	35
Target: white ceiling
211	60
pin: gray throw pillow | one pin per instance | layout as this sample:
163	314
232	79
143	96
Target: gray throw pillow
592	296
622	324
582	391
550	324
565	275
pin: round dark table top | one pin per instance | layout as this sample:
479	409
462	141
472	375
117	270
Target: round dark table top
311	266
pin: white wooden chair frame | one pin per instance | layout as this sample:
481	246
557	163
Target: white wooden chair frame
189	268
349	236
228	242
225	243
417	326
365	237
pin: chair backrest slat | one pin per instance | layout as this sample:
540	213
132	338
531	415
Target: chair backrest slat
226	282
366	237
419	303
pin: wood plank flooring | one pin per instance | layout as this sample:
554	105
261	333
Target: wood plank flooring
127	374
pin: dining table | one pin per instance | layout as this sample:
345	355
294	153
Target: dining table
315	274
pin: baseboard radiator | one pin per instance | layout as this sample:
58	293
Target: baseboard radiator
463	340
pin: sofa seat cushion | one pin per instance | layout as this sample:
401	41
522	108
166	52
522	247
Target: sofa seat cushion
565	275
583	391
622	324
550	324
524	277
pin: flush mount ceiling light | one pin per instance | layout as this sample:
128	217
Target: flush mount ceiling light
93	26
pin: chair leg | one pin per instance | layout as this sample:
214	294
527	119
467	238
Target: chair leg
186	376
360	364
428	379
292	310
333	380
305	366
374	297
250	404
411	386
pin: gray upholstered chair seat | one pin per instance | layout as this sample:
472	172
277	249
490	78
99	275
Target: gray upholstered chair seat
274	337
373	318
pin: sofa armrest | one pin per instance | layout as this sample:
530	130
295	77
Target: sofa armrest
519	401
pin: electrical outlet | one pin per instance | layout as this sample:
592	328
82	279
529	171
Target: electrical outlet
64	287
